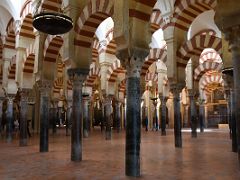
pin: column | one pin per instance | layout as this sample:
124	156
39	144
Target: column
107	115
1	119
233	121
44	89
233	36
201	117
163	111
175	89
118	115
77	76
23	116
9	116
69	115
54	116
133	110
193	116
86	120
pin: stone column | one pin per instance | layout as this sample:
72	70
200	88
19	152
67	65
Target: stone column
86	119
54	116
233	36
9	117
201	117
163	111
107	115
1	119
44	89
118	115
133	65
77	76
233	121
176	89
193	117
69	115
23	116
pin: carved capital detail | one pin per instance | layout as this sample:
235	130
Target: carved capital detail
78	75
132	60
44	86
176	89
24	94
233	36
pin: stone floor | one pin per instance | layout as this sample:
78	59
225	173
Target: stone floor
208	157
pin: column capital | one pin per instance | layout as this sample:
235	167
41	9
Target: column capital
78	74
44	86
176	88
24	94
232	35
133	60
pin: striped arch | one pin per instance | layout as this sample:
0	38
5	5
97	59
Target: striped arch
1	52
10	40
12	68
210	56
153	56
114	70
108	45
60	69
151	77
26	29
122	86
1	73
206	66
51	5
207	80
92	16
95	53
197	44
69	85
58	85
29	58
52	47
186	11
156	21
94	73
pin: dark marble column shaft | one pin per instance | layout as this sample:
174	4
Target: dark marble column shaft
193	116
1	119
177	115
133	59
108	118
86	119
133	127
233	121
201	117
118	115
9	116
44	88
236	103
163	109
23	116
77	76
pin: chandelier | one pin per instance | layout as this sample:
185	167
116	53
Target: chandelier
51	22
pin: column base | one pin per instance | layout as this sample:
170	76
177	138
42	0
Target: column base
108	135
9	139
23	142
85	133
163	133
194	134
178	143
132	167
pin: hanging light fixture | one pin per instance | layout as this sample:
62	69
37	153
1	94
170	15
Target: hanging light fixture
51	22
